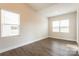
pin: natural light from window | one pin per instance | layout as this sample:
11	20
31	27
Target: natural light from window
60	26
10	23
55	26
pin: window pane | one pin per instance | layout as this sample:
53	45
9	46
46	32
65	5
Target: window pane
8	17
9	30
56	29
10	23
55	23
64	29
55	26
64	23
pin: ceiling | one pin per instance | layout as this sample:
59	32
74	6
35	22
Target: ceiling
54	9
40	6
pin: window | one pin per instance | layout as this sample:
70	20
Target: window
10	23
64	26
60	26
55	26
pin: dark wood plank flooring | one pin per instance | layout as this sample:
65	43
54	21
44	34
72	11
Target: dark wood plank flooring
46	47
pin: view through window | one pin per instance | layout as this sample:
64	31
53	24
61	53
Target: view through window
60	26
10	23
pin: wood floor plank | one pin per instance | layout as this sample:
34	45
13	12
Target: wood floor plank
46	47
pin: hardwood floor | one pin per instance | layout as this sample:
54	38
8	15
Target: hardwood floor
46	47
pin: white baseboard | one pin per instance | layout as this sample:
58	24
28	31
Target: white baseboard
26	43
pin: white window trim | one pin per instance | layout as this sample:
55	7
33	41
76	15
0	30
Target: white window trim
60	27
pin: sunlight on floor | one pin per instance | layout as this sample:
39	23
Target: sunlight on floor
71	46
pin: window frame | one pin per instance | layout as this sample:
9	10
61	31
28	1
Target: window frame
62	27
15	27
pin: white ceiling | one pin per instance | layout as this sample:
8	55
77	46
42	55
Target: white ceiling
40	6
54	9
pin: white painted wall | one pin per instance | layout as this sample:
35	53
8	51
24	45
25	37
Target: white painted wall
78	28
34	27
72	27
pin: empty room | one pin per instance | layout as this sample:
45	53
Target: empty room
39	29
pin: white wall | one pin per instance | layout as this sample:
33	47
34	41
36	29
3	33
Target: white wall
78	28
34	27
72	27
